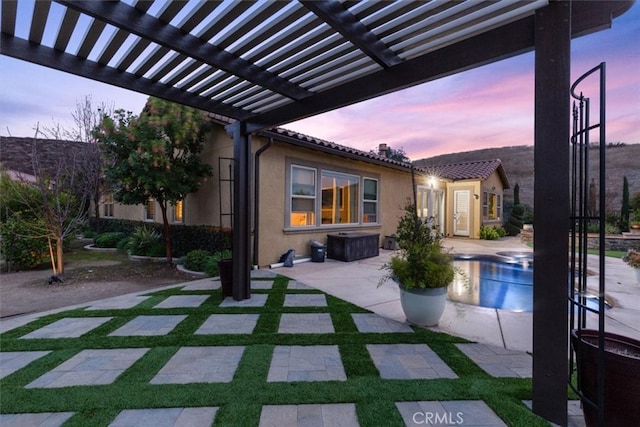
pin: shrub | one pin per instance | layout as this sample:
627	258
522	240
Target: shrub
143	240
491	233
196	260
514	224
211	267
21	247
89	234
157	250
123	245
109	239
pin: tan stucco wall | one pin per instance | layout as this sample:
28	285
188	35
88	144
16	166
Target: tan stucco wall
276	239
493	184
475	205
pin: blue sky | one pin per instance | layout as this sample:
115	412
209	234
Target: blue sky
491	106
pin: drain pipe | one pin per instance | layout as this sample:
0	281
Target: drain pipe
256	197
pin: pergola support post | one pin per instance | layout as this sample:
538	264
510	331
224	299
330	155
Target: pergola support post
551	204
241	211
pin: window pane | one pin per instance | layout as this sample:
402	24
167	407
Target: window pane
177	210
302	205
303	181
340	198
370	189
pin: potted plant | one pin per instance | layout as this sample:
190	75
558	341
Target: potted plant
422	268
621	391
633	259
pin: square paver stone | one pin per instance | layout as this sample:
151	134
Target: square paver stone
262	284
305	300
256	300
41	419
203	285
116	303
179	301
338	415
306	363
408	361
295	285
148	325
11	361
69	327
373	323
200	365
263	273
228	324
306	323
499	361
445	413
90	367
166	417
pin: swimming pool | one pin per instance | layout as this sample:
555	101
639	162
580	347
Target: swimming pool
503	281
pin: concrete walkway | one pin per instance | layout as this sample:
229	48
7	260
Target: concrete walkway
357	282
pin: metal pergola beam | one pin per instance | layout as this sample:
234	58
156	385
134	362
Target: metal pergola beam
333	13
138	22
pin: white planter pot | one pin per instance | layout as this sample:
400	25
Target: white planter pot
423	307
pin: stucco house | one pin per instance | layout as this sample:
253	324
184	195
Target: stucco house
306	188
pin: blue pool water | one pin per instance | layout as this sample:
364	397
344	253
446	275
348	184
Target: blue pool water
504	282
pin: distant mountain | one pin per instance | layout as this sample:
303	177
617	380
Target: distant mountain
621	160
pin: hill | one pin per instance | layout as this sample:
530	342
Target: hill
621	160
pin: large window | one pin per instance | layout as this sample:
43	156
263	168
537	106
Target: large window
303	196
321	197
340	198
107	205
149	209
178	212
491	206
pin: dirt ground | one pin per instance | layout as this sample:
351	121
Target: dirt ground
29	292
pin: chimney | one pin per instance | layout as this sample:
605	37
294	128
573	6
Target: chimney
382	150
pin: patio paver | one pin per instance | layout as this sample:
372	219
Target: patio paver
305	323
42	419
166	417
306	363
453	412
12	361
305	300
179	301
339	414
262	284
228	324
295	285
408	361
200	365
256	300
117	303
499	361
207	284
148	325
90	367
371	322
69	327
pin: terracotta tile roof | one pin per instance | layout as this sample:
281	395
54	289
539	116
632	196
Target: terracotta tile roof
297	138
481	170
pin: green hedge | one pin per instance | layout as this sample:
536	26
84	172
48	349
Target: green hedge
184	238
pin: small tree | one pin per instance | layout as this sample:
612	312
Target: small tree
398	155
624	211
154	156
55	196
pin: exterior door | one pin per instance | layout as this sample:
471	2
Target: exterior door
461	212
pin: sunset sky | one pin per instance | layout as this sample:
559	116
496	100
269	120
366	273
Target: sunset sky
491	106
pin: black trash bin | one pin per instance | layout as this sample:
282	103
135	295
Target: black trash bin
318	251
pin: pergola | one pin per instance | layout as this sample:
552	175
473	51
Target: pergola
268	63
